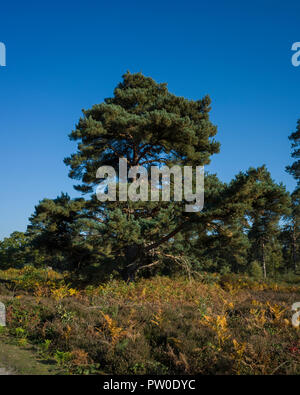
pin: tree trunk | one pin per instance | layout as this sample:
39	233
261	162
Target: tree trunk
134	253
263	260
294	249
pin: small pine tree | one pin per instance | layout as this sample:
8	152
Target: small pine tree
255	270
272	204
291	233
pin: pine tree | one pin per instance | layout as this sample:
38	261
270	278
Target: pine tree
17	250
13	251
255	270
61	229
221	243
147	125
271	204
294	169
291	233
250	205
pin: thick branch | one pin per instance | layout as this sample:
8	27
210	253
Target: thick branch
166	238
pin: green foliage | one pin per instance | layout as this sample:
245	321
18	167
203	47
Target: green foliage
291	233
294	169
62	358
59	227
13	251
255	270
17	251
271	204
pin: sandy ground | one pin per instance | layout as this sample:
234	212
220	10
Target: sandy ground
15	360
4	372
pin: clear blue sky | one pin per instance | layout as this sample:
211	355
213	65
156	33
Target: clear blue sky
63	56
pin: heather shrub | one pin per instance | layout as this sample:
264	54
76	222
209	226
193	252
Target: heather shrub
225	324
